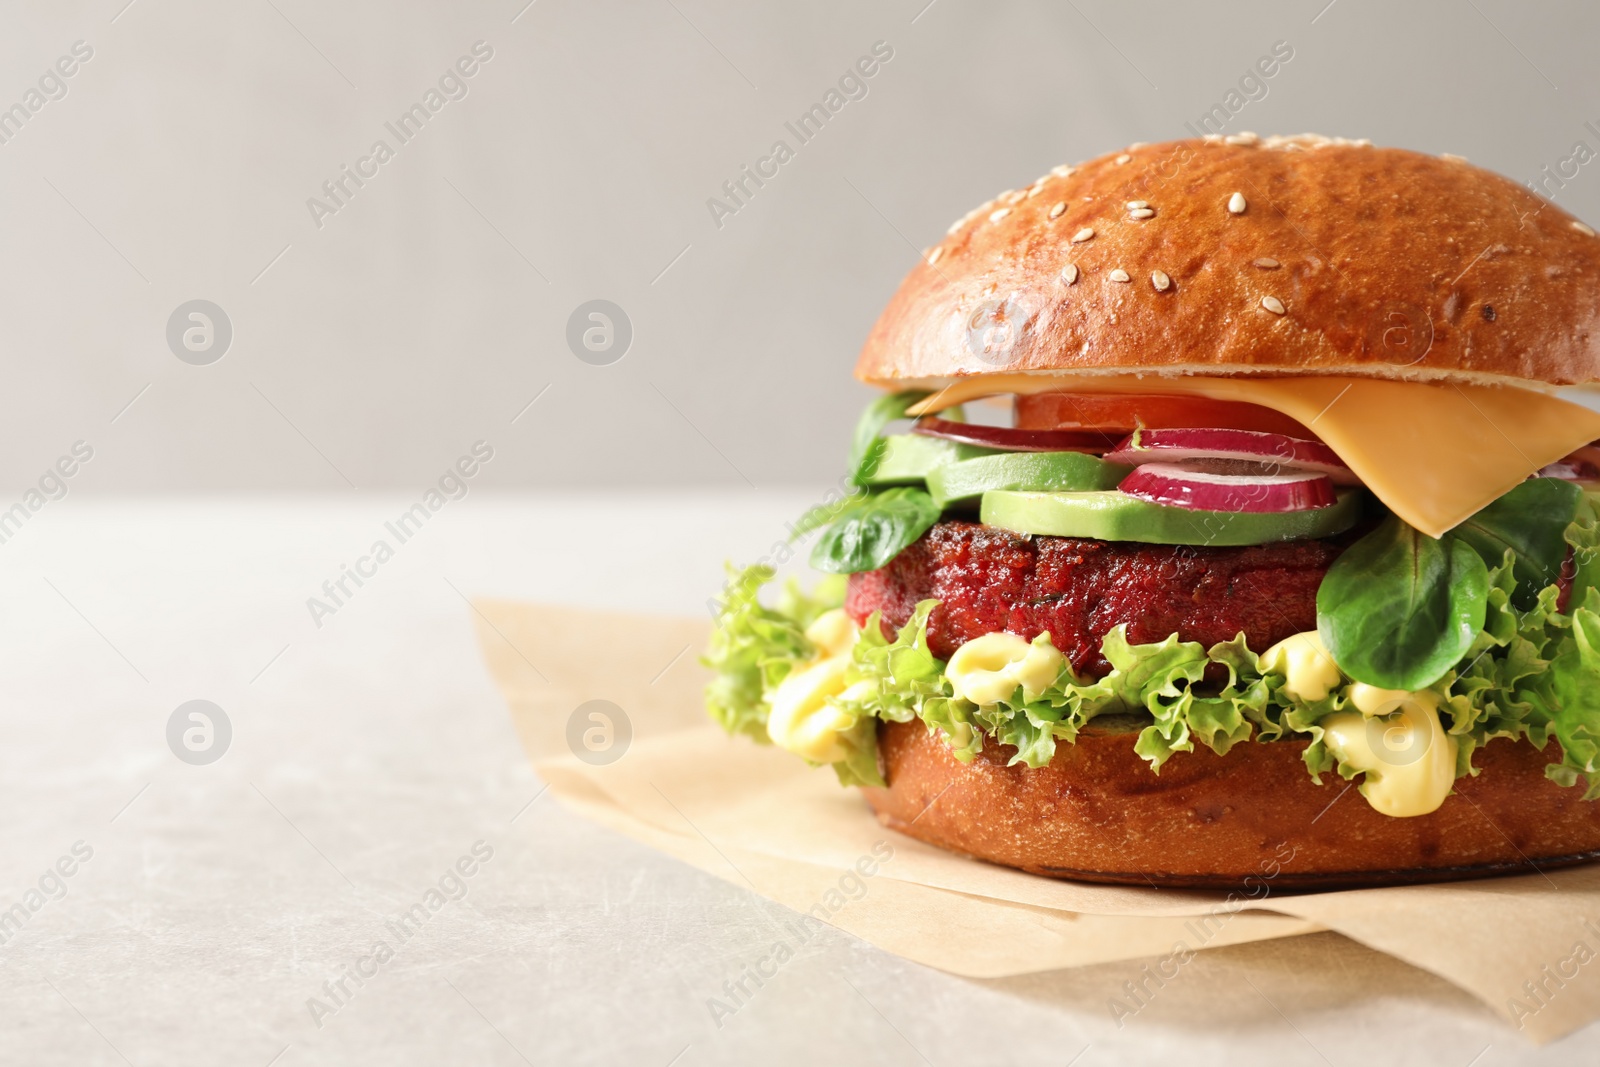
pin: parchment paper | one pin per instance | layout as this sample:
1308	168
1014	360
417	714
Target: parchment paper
1528	946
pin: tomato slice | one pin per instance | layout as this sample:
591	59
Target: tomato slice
1119	413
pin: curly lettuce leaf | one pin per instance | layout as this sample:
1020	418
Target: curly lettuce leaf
1567	697
1030	733
1583	537
956	723
1163	678
909	682
1225	719
860	767
900	674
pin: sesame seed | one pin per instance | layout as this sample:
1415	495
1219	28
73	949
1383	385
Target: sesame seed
1062	171
1141	213
1237	204
996	216
964	219
1069	273
1242	138
1056	211
1581	228
1451	157
1135	205
1083	235
1212	138
933	257
1119	275
1035	189
1268	263
1160	280
1124	158
1273	304
1012	197
956	226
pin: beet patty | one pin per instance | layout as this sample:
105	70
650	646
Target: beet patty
988	579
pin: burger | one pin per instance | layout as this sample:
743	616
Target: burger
1284	565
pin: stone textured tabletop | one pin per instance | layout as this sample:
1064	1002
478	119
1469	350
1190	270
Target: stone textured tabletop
251	910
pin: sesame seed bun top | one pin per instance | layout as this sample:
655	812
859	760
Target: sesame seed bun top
1247	255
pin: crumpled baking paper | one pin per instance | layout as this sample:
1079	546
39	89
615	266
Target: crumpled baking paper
609	709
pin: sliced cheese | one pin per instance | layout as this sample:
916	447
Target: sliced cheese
1434	453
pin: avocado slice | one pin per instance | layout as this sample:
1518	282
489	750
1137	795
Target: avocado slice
1114	516
908	458
1034	471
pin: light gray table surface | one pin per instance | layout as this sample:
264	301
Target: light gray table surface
370	754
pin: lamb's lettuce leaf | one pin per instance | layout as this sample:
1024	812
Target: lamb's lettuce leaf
866	445
1399	608
874	529
868	526
1528	522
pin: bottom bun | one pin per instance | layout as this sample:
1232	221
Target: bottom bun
1252	818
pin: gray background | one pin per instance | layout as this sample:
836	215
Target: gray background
429	310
